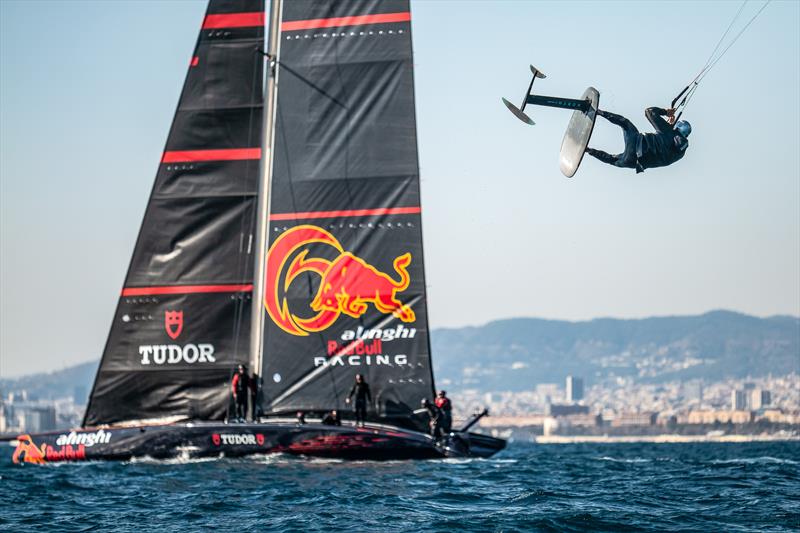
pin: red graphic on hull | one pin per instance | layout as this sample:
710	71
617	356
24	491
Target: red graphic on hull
28	452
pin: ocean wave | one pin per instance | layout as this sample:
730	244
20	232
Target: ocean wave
618	460
755	461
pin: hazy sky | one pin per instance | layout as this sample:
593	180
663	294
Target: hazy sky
88	89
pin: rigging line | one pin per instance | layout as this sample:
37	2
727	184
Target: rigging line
692	87
708	61
735	39
711	56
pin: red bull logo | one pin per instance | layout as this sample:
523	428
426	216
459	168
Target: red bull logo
348	284
28	452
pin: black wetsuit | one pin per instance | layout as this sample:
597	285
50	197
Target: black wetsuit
446	417
362	394
433	414
644	150
330	420
241	386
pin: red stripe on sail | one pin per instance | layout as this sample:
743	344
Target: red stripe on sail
231	154
347	213
184	289
234	20
359	20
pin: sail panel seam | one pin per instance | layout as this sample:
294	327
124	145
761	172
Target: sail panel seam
227	154
347	213
185	289
234	20
334	22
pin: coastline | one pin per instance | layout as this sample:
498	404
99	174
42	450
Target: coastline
605	439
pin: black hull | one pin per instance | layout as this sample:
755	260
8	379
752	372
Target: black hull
199	440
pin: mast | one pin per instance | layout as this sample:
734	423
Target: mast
262	212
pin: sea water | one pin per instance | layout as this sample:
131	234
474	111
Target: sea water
528	487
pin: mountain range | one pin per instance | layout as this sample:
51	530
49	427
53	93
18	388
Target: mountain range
516	354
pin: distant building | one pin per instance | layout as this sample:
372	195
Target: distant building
574	389
738	400
760	398
32	418
555	409
547	389
776	416
723	417
584	420
634	419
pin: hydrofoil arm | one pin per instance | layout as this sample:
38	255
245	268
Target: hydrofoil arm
557	101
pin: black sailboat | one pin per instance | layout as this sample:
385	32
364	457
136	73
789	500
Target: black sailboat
283	232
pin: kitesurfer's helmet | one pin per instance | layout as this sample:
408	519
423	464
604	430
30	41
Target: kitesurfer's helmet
683	127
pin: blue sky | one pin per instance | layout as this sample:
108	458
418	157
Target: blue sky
88	89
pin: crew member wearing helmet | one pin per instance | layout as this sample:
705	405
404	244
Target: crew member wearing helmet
442	402
647	150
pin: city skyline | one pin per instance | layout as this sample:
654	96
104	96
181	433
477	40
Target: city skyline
721	230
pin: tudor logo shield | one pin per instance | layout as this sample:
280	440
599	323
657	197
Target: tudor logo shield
173	323
216	439
260	439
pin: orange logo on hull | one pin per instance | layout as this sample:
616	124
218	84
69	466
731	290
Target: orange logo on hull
347	283
28	452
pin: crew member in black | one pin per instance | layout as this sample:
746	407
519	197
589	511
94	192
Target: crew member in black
434	415
361	391
647	150
445	409
241	386
332	419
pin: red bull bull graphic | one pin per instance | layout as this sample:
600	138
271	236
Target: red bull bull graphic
348	284
70	447
28	452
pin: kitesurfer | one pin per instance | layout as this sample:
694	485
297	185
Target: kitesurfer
434	416
332	419
442	403
241	385
361	391
647	150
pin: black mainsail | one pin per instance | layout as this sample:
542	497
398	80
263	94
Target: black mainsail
183	320
345	286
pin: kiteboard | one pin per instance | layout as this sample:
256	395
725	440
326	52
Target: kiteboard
579	129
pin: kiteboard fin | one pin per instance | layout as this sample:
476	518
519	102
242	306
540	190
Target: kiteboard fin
538	73
518	113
